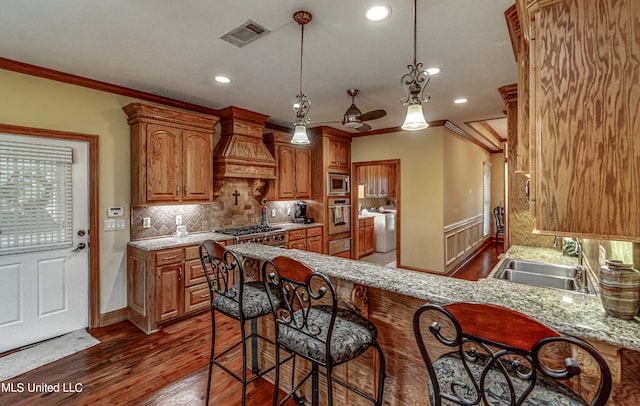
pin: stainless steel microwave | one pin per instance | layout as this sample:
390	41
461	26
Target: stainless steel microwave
337	184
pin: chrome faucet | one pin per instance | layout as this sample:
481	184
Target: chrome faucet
579	250
581	271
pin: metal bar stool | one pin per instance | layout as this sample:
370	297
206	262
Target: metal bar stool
229	294
498	219
310	324
486	354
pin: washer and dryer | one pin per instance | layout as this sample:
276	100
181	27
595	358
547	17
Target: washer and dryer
384	229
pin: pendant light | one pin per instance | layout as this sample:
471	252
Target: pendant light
301	104
415	81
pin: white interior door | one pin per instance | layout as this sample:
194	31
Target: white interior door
44	287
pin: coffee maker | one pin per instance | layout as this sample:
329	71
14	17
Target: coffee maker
300	212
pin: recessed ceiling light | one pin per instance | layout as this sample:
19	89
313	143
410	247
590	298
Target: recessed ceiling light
433	71
461	100
223	79
377	13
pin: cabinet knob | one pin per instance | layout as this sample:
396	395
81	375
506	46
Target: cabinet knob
180	270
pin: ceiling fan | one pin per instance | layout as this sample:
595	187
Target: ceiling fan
354	118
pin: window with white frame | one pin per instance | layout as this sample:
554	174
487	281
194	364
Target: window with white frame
486	186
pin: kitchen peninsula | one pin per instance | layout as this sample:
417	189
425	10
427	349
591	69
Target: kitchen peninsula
389	297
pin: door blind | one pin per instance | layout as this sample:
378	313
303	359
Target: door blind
36	202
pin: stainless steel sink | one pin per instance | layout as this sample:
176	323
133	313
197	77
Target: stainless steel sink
545	275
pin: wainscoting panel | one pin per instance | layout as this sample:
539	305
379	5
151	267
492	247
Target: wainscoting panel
461	238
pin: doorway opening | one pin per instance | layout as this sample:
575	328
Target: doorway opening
376	189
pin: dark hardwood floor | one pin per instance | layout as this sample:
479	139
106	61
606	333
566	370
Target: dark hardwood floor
169	367
129	367
480	265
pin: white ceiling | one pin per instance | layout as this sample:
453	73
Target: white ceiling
173	49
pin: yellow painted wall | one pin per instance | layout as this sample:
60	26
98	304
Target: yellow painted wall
463	179
35	102
441	184
421	183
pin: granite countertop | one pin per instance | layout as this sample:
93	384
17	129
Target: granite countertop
159	243
567	312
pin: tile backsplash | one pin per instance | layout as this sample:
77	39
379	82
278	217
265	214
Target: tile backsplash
223	212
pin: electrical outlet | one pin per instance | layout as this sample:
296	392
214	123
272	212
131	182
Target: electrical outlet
273	212
602	254
146	222
178	219
288	211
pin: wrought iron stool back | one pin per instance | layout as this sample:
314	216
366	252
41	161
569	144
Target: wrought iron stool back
233	297
310	324
498	219
487	354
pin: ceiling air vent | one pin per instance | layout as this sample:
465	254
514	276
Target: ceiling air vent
244	34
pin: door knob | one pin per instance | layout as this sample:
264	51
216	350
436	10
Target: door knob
80	246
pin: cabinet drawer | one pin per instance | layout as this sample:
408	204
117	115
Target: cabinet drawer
313	232
368	222
192	252
193	273
171	256
196	298
297	234
343	254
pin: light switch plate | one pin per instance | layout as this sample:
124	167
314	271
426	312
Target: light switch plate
146	222
113	225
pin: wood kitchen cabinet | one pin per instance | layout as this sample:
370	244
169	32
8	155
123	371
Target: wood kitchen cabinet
170	291
366	242
376	178
339	154
584	101
309	239
293	168
163	285
171	156
196	289
391	180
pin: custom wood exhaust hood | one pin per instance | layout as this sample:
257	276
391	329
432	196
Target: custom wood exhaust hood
241	152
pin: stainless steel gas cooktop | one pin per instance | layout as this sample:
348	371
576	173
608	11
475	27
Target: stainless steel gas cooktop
266	235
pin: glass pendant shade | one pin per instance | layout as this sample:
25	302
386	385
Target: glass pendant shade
415	118
300	135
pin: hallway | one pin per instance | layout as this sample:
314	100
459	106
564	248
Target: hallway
478	267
